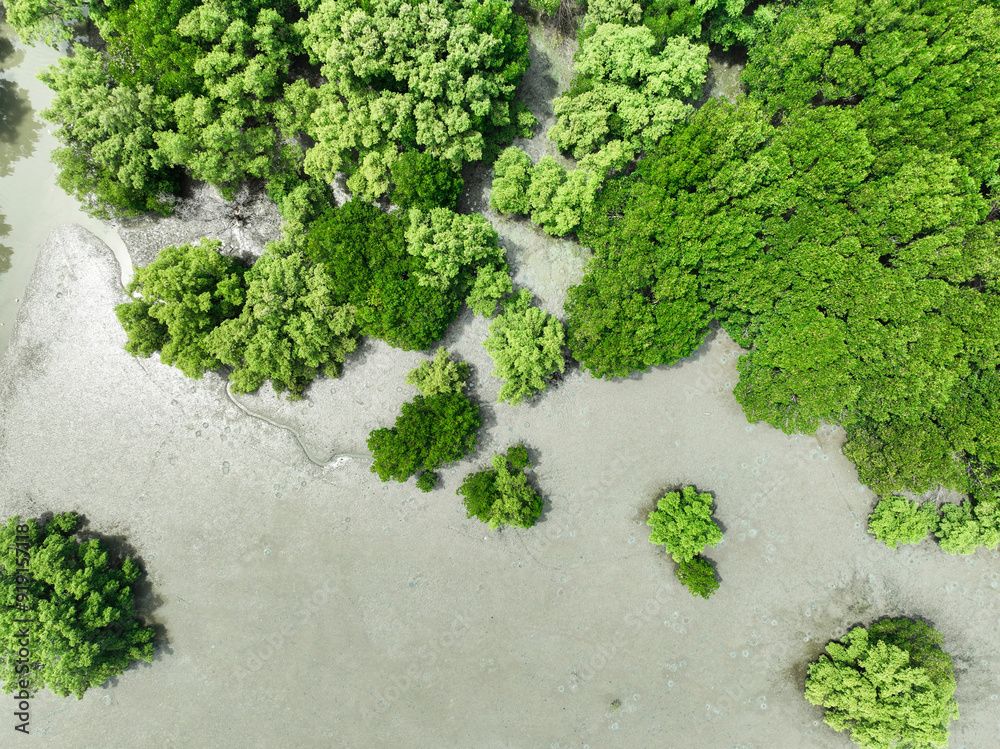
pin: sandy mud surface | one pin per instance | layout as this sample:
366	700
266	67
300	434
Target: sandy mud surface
307	606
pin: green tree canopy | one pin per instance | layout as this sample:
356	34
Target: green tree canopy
429	432
84	628
898	520
290	329
526	344
442	374
423	181
435	75
891	685
501	495
682	521
183	295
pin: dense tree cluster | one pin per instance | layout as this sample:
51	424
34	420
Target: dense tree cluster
225	90
431	430
501	495
891	685
81	607
837	222
682	522
960	529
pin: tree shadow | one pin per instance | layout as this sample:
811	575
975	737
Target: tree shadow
5	252
18	127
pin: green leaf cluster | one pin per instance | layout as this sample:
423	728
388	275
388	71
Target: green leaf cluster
429	432
436	76
964	528
526	344
898	520
836	222
682	522
501	495
83	627
891	685
423	181
442	374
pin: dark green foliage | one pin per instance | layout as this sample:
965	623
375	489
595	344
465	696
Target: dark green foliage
425	182
291	328
183	295
835	223
364	252
83	628
697	576
501	495
890	686
429	433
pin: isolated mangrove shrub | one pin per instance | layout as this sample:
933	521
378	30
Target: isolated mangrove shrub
682	521
898	520
423	181
82	627
429	432
511	178
526	344
183	295
697	576
442	374
964	528
501	495
889	686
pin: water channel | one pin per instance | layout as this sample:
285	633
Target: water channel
31	204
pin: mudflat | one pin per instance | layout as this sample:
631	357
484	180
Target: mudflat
299	605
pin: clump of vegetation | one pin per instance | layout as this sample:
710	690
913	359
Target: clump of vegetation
501	495
890	685
83	628
682	522
183	295
431	431
442	374
898	520
423	181
526	344
964	528
290	330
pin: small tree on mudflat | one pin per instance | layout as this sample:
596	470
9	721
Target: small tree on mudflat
83	628
898	520
501	495
682	521
890	686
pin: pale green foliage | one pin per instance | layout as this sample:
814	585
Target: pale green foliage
964	528
442	374
511	177
491	285
49	21
897	520
449	242
290	329
682	521
436	75
83	627
526	344
558	198
626	12
891	686
629	92
109	159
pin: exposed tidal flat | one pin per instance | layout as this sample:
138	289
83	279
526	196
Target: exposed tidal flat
305	606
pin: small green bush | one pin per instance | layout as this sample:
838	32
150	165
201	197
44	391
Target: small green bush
697	576
682	521
501	495
526	344
898	520
890	686
442	374
964	528
84	628
430	432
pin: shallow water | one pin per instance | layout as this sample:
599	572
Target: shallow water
31	204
